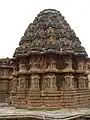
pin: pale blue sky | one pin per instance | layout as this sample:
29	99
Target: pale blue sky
15	16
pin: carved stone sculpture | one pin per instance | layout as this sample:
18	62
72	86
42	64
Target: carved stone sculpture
52	65
69	82
68	64
22	83
22	65
80	65
82	82
14	84
49	82
34	82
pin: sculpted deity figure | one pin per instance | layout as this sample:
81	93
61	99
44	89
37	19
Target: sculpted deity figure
68	44
22	83
53	81
85	66
88	66
5	72
34	64
69	82
35	81
49	82
65	44
68	64
14	84
14	69
52	64
22	66
82	82
80	65
46	82
50	30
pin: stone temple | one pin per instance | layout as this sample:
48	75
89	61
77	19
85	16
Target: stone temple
49	69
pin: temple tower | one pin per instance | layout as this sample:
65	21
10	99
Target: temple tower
49	65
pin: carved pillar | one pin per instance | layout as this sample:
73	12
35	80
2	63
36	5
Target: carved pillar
68	83
35	82
49	82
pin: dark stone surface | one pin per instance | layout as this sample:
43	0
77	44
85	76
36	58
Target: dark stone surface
49	30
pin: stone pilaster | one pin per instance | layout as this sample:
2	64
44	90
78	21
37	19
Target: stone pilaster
14	90
21	91
33	99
